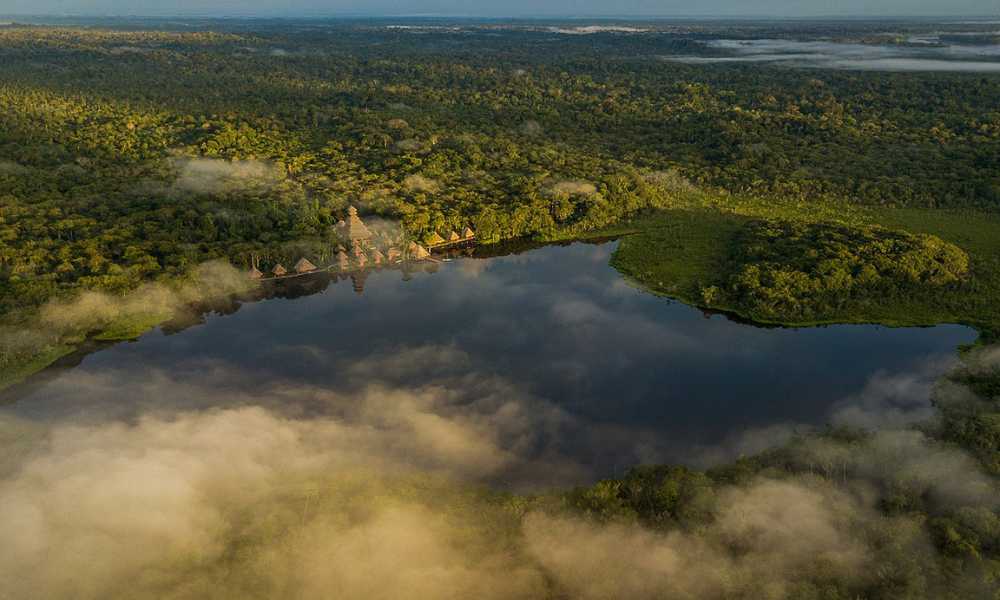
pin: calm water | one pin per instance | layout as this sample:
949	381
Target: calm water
550	349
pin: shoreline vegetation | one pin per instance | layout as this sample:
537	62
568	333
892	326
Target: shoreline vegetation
678	253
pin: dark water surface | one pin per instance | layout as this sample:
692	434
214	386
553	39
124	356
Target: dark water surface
620	376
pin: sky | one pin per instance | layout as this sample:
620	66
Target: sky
508	8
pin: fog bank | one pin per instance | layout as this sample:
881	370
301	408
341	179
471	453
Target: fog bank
245	503
851	56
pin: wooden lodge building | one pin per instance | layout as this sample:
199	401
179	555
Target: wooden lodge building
354	230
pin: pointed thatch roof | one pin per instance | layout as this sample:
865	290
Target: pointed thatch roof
468	234
279	270
254	273
356	229
304	266
452	236
434	239
417	251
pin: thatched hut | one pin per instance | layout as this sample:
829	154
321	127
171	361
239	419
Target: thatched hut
418	252
304	266
434	239
453	237
279	271
254	273
468	234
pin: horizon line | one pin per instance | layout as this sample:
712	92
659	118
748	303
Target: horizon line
526	17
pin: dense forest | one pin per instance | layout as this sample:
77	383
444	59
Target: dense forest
791	271
130	154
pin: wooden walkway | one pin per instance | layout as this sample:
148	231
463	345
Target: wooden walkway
451	244
336	269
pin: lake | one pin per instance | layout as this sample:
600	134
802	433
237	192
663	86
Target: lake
549	354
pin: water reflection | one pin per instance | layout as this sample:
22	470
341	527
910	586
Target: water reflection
548	354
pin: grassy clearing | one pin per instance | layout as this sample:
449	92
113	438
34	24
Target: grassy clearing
44	352
18	372
677	252
131	327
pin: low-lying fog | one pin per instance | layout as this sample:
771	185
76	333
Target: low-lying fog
852	56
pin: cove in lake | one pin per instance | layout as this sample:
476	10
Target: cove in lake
550	352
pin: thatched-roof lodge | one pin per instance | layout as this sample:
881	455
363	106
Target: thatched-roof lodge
468	234
254	273
453	237
304	266
279	270
355	228
434	239
418	252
